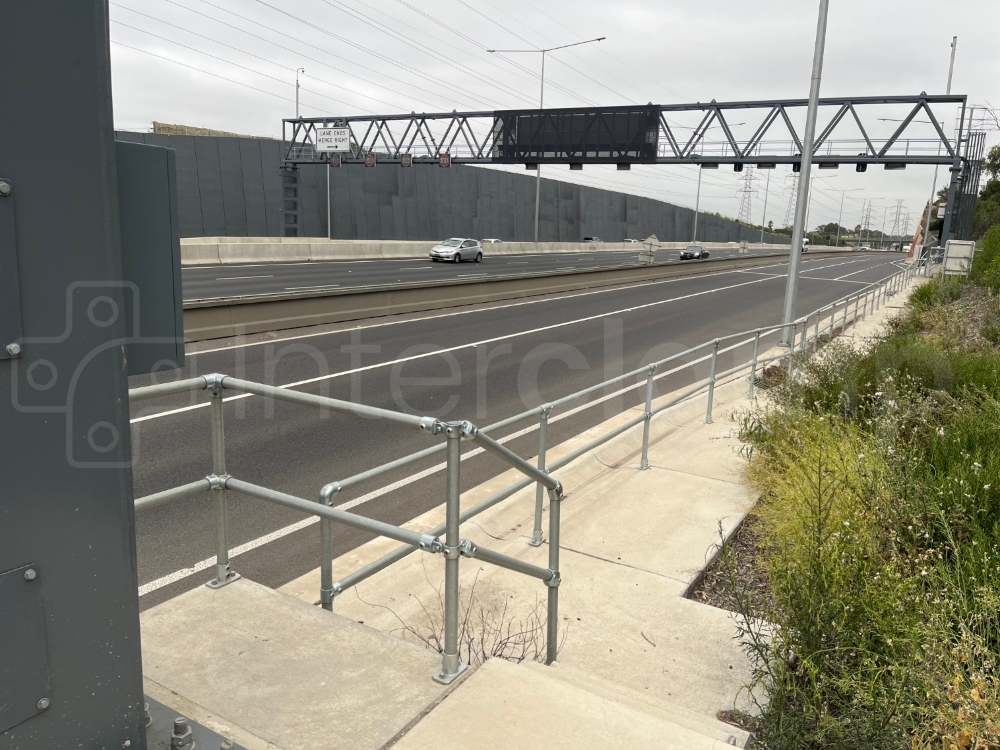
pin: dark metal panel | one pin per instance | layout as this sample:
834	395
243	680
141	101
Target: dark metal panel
426	213
151	257
10	283
385	179
407	181
344	226
367	198
231	179
213	209
130	137
24	659
270	163
67	503
188	187
253	187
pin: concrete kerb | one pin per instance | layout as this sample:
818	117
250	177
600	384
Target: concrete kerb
197	251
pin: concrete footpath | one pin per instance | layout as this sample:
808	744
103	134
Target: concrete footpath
207	251
639	664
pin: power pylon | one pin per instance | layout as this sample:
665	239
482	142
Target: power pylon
746	203
896	225
793	191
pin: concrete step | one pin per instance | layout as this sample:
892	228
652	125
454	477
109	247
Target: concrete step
646	703
505	706
270	671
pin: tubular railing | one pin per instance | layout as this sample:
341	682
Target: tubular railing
809	329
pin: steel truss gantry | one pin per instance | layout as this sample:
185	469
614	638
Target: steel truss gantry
646	134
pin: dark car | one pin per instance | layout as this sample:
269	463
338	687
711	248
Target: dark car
694	252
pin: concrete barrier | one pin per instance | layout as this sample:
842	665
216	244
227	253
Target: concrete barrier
207	251
210	319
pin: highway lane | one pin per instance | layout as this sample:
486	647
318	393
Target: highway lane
211	282
480	363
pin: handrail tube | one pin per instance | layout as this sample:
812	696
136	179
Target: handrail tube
174	493
361	574
343	407
364	476
506	561
515	461
570	457
323	511
145	392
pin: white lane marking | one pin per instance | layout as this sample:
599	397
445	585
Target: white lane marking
470	345
842	281
234	278
321	286
519	263
567	268
470	275
235	266
839	278
539	301
305	523
418	268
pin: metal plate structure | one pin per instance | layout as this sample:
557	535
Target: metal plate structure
10	295
24	661
151	257
161	724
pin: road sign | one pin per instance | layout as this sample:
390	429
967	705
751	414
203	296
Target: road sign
444	160
370	159
334	160
406	160
333	139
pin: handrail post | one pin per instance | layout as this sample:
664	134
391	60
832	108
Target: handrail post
644	463
857	304
833	318
843	323
451	665
223	575
791	350
543	423
552	609
326	588
816	334
753	367
711	381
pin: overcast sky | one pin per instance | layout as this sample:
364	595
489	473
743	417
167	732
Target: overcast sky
230	65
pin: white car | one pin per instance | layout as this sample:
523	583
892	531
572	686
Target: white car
593	240
457	249
631	242
491	242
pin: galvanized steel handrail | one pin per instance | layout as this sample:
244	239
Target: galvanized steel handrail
540	474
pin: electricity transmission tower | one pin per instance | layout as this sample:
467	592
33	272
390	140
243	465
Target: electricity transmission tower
793	190
746	203
896	222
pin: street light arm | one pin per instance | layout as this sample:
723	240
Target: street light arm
549	49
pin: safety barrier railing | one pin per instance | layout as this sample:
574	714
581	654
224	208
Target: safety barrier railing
811	328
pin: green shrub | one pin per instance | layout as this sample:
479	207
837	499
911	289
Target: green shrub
879	532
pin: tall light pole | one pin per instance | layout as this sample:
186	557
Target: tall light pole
802	201
697	205
930	203
763	218
297	71
840	219
541	105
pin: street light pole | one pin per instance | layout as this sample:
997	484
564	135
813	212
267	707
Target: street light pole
297	71
802	201
930	203
538	167
541	105
763	218
697	204
840	218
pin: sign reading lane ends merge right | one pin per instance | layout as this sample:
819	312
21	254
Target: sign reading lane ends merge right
333	139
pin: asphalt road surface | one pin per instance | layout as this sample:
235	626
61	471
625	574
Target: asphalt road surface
481	363
213	282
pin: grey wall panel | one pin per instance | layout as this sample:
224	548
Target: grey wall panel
231	186
213	209
312	217
188	188
253	187
270	162
231	178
